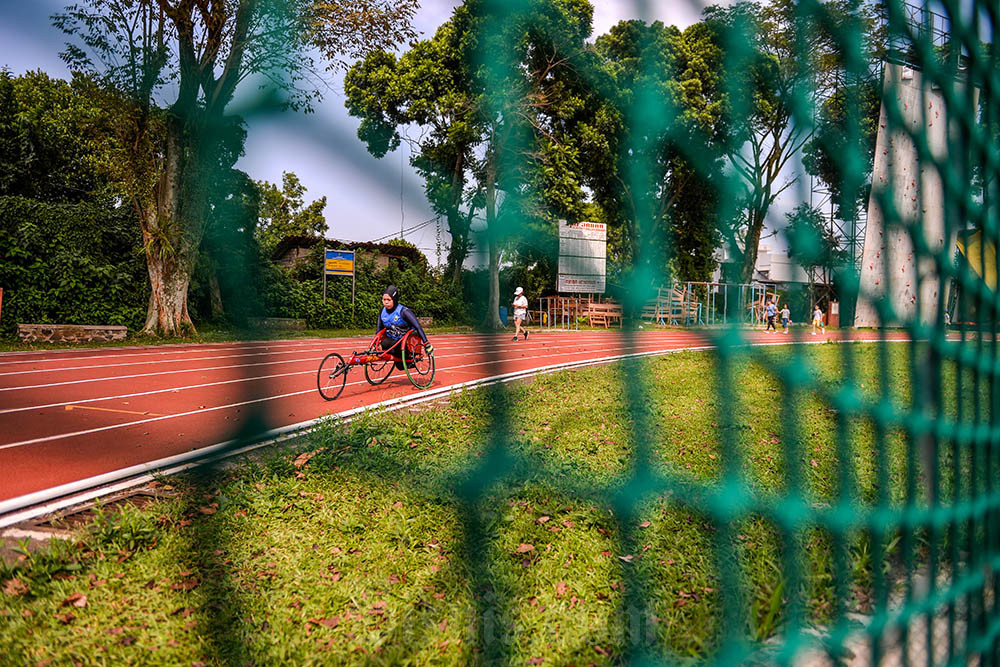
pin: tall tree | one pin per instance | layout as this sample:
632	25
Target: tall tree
501	102
179	144
667	117
428	86
283	212
782	59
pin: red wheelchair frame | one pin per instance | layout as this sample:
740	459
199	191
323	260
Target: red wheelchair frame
408	350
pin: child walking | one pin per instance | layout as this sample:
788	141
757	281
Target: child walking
770	311
786	316
818	320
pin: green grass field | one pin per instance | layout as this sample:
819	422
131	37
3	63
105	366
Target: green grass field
356	545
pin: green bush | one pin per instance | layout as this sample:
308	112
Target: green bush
70	264
298	293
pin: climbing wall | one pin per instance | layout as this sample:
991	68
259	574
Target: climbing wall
889	269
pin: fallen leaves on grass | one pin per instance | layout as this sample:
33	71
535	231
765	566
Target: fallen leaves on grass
76	599
14	587
303	458
525	548
186	584
66	618
561	588
542	519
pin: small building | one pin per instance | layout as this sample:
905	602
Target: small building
773	266
294	249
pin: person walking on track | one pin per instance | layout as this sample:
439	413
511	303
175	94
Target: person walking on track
770	311
818	320
520	311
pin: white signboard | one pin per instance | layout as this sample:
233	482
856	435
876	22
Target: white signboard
583	252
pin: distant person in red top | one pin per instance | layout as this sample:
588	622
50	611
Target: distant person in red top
397	320
520	311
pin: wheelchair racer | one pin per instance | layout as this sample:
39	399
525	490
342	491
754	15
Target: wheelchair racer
397	320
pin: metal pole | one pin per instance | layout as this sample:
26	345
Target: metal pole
324	274
725	304
354	270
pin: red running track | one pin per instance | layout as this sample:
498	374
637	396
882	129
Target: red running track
67	415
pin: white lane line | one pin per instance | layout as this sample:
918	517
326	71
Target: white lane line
158	361
501	347
152	391
151	351
267	349
189	413
140	473
180	462
181	348
144	375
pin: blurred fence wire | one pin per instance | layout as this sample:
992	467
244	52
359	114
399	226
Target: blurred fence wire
926	182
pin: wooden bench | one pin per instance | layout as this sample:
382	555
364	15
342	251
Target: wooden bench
278	323
70	333
604	313
683	308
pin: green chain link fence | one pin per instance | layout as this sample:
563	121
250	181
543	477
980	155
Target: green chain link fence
932	543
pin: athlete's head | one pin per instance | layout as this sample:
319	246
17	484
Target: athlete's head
519	291
390	297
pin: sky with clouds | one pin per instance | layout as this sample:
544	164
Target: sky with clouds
367	198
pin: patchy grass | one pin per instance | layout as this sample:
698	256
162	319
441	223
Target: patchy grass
370	543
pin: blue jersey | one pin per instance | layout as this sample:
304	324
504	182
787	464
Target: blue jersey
398	321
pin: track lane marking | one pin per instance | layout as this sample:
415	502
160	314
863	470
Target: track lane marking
590	335
217	368
99	429
653	352
74	406
156	351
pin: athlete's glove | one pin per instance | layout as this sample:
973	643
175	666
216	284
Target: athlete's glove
429	349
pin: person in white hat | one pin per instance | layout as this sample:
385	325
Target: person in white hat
520	310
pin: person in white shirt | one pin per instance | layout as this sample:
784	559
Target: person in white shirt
818	320
520	311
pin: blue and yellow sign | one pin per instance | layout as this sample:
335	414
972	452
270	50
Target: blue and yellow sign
340	262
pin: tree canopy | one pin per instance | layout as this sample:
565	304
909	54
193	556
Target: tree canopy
176	66
283	212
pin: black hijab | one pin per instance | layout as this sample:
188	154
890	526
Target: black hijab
393	294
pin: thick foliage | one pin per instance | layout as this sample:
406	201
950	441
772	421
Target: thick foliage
299	293
70	264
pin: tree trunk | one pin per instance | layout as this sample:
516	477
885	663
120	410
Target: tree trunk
167	313
215	293
754	229
458	227
492	319
172	233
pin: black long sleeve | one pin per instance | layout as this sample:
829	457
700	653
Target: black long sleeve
412	320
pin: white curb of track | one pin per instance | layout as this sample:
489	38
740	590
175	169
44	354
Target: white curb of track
30	506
